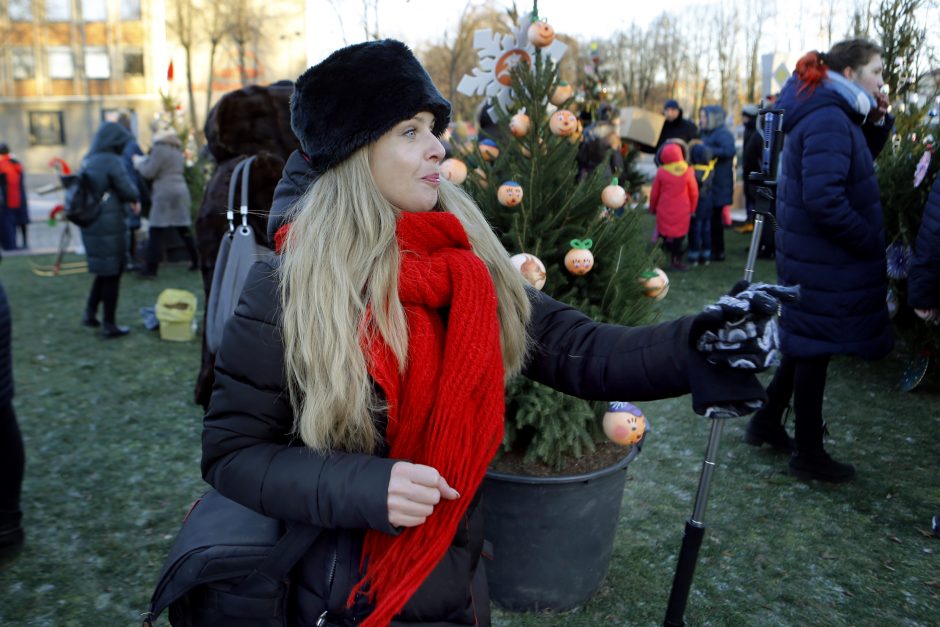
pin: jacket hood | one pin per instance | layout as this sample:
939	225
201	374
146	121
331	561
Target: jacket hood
714	117
297	177
672	153
111	137
797	106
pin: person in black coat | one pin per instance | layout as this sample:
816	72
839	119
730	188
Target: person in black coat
359	383
12	457
830	242
676	125
106	240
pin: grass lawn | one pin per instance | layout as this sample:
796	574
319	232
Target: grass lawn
112	439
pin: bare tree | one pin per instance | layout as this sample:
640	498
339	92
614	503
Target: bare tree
669	50
757	12
244	28
726	29
636	66
860	23
370	19
215	27
183	25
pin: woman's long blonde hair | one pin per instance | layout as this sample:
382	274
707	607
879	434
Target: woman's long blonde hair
341	255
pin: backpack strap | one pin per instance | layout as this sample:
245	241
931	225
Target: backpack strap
287	552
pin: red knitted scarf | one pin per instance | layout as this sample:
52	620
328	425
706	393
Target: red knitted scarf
446	410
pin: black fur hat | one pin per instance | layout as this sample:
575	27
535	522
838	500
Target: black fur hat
355	95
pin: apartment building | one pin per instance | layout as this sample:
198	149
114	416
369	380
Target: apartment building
65	65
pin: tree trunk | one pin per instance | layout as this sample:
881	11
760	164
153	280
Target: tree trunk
212	49
189	90
242	70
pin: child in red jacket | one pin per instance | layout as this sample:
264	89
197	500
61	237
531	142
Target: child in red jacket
673	200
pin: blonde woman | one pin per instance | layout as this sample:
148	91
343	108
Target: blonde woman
359	385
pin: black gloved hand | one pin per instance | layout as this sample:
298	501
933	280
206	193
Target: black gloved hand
740	330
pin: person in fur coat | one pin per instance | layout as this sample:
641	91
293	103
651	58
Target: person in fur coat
359	386
252	121
673	199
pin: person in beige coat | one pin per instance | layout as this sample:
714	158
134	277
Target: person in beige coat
170	210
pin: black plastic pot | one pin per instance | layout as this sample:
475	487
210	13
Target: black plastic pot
551	537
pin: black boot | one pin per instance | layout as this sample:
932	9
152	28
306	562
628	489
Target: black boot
811	461
764	429
11	533
110	331
89	319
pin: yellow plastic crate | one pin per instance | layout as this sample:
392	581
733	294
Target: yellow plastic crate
176	311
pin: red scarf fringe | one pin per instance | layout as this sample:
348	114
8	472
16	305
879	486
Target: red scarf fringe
446	411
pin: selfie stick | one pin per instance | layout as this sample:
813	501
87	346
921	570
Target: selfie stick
766	185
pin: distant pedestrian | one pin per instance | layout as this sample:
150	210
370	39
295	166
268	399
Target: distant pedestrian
676	126
673	199
131	150
170	210
750	136
105	240
700	233
720	140
14	208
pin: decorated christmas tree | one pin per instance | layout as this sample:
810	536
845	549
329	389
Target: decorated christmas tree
906	170
581	242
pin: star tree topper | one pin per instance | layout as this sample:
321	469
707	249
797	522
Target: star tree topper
499	53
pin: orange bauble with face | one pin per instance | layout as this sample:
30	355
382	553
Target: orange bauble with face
563	123
489	149
519	125
454	170
624	424
509	194
579	259
541	34
561	94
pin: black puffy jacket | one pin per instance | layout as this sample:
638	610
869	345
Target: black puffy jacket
923	284
250	456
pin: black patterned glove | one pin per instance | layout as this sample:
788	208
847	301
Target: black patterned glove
740	330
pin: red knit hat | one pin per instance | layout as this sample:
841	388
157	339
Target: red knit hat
671	153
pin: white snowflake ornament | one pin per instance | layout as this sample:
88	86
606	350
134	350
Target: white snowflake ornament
499	53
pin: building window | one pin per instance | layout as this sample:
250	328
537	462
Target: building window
97	63
46	129
58	10
134	63
24	64
61	63
20	10
94	10
130	9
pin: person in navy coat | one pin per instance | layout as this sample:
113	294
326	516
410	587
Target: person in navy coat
923	282
830	242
